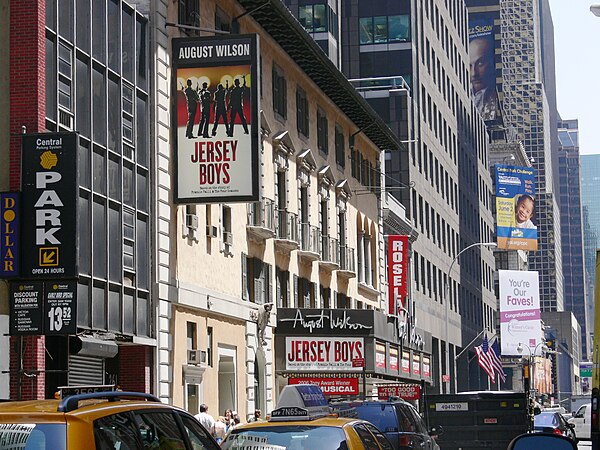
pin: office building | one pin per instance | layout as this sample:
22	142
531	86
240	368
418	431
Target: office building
574	270
529	104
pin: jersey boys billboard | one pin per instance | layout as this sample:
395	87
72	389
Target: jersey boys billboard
216	121
323	354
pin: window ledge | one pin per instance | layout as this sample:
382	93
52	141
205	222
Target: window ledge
368	289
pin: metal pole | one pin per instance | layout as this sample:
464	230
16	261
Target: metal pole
20	371
447	308
364	380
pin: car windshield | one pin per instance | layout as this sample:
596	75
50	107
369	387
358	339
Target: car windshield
383	416
546	420
292	437
32	436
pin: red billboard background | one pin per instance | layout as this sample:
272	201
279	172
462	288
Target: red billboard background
404	391
330	386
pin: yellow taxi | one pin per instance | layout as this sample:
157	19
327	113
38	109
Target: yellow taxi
302	421
100	421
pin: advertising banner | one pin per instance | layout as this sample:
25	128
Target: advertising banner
426	367
9	234
330	386
406	362
394	359
60	306
397	272
515	208
543	375
26	308
520	313
50	185
216	120
483	66
404	391
43	307
322	354
585	376
416	364
380	356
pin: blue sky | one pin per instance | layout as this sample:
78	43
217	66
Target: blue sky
577	43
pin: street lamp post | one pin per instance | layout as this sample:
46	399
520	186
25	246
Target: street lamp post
447	299
531	371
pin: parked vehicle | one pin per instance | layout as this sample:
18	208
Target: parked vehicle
100	420
555	423
476	420
302	420
397	419
582	419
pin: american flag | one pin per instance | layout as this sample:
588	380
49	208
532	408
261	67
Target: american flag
494	355
484	360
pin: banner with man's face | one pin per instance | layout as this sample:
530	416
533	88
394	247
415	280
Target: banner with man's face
216	122
483	66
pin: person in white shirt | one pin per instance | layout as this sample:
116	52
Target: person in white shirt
206	419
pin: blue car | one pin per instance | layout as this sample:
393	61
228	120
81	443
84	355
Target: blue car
398	419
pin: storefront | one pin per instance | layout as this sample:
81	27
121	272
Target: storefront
348	352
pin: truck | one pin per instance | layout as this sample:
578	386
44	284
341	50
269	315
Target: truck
476	420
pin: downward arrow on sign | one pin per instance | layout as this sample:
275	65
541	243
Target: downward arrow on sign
48	258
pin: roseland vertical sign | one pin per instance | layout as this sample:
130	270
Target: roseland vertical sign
216	120
9	234
397	272
50	197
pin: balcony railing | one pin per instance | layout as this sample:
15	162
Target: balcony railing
287	230
309	241
330	251
261	219
347	261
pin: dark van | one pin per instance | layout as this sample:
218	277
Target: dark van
398	419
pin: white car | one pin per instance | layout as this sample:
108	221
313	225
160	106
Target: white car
582	419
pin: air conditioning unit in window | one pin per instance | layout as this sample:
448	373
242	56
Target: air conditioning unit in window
191	221
195	357
228	237
211	231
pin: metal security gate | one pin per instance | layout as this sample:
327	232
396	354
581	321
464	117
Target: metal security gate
85	370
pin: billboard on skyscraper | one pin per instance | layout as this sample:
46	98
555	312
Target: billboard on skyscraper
482	56
515	208
520	324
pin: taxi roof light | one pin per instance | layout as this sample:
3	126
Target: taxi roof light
300	402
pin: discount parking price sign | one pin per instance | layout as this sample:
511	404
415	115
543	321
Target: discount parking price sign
43	308
60	302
